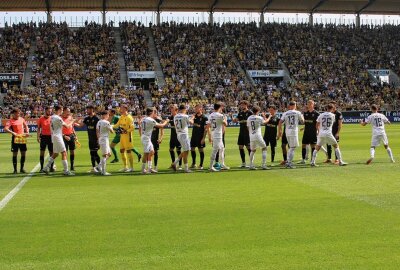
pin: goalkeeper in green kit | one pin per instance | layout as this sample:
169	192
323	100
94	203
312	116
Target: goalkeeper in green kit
114	119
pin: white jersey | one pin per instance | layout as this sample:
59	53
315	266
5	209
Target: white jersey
291	119
216	121
182	124
147	126
103	127
377	120
325	121
254	123
56	126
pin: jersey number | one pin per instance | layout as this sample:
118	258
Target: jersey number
144	126
326	123
378	122
214	123
253	125
291	119
177	122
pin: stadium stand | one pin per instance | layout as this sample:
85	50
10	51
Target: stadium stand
136	47
326	62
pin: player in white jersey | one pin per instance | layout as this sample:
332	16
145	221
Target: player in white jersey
103	130
146	126
254	124
57	139
325	136
182	122
378	121
216	123
291	118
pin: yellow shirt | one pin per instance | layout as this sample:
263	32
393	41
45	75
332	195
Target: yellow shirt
125	122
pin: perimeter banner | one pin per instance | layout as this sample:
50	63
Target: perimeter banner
349	117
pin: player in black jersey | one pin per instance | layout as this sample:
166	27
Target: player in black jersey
271	131
90	121
244	138
156	139
173	140
336	128
310	130
198	136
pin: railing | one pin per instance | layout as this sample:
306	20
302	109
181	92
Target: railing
147	18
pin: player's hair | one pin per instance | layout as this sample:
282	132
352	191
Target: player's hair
199	105
57	107
149	111
256	109
113	111
217	106
90	106
245	102
374	107
104	112
182	107
272	107
124	106
47	108
292	103
15	110
311	101
330	106
173	106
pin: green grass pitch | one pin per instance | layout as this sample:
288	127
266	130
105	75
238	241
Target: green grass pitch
328	217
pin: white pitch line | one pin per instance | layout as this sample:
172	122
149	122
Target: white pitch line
18	187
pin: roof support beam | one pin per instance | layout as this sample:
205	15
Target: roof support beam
213	5
318	5
266	5
160	2
104	6
370	2
48	8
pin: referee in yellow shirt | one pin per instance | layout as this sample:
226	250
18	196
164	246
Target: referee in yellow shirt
126	126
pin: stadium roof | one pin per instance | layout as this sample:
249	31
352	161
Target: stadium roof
300	6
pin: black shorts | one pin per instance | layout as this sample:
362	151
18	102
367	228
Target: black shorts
70	145
156	145
93	145
244	138
45	142
309	138
284	139
18	146
270	141
174	143
195	141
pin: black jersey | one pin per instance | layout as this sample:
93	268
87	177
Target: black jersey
156	132
335	126
91	123
242	117
310	122
199	125
271	129
172	125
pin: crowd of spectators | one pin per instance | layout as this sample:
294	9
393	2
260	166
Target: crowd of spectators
203	64
74	67
135	44
197	64
15	42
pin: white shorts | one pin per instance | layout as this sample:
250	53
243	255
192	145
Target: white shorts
257	142
105	148
378	139
293	141
218	143
326	139
147	144
58	145
184	141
